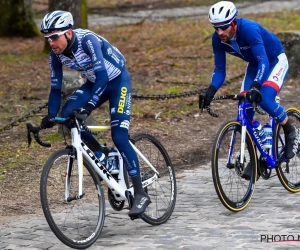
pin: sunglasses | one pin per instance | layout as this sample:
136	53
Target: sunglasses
222	27
54	37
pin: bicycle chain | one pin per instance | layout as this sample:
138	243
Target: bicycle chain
140	97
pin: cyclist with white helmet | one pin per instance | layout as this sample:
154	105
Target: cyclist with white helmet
266	70
104	67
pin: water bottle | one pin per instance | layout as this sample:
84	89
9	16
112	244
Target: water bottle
269	135
112	161
101	156
260	131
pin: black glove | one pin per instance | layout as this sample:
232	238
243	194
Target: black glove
207	96
85	112
254	95
48	121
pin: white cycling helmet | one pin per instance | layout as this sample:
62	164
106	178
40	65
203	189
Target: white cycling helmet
57	20
222	12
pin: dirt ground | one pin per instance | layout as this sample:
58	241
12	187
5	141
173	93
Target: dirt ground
187	136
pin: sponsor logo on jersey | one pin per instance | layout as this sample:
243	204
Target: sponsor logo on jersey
245	47
279	72
79	91
95	98
113	55
91	49
122	100
125	124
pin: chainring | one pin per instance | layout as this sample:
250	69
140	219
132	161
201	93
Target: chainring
265	172
116	205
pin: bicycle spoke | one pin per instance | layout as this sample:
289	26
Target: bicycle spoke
162	192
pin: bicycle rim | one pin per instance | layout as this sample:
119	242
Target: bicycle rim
78	223
163	191
288	174
234	191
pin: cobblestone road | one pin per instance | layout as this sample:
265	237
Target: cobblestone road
199	221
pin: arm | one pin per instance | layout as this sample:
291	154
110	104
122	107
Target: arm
54	100
92	47
255	41
219	73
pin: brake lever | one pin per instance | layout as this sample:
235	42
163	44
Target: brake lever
202	105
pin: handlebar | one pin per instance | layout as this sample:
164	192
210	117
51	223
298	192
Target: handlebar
74	118
237	97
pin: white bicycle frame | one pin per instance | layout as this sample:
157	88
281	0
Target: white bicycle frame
119	189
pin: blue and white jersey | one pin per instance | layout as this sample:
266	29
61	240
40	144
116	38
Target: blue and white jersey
92	56
252	43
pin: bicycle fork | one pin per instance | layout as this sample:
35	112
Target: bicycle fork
243	142
78	154
240	161
80	195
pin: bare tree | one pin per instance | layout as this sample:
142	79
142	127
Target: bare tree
78	8
17	18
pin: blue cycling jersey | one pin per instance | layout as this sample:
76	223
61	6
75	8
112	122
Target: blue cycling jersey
92	56
252	43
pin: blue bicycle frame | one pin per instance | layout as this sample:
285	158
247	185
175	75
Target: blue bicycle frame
270	157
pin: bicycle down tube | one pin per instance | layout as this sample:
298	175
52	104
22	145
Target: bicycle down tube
118	187
247	126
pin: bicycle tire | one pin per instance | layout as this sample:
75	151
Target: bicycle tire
289	176
233	190
78	223
163	191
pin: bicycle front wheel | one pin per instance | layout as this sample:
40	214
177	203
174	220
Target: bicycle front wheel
163	191
233	188
288	173
77	223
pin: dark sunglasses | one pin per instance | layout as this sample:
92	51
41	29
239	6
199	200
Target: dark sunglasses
54	37
222	27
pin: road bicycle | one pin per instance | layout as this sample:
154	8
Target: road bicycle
71	185
235	147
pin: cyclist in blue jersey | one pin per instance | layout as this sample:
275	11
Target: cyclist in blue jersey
104	67
266	70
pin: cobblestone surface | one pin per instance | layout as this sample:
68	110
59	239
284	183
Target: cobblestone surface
199	221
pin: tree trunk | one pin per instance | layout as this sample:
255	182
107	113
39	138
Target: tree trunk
78	8
17	19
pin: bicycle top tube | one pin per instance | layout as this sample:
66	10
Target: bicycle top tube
99	128
92	128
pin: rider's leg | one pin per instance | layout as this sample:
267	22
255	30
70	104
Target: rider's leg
119	92
247	81
78	100
250	74
269	90
292	138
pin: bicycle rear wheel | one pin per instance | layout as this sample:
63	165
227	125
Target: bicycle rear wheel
163	191
234	191
77	223
288	173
